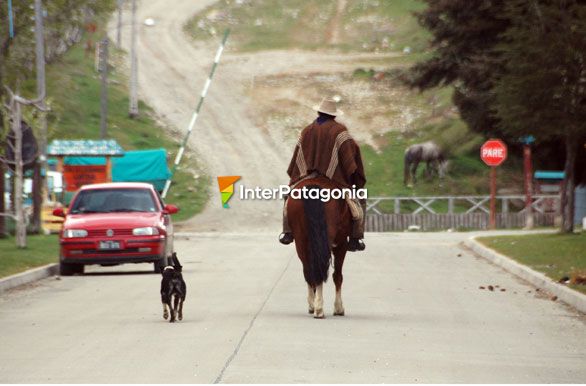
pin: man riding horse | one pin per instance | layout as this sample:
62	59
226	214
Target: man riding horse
326	149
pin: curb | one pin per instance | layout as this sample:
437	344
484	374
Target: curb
564	294
29	276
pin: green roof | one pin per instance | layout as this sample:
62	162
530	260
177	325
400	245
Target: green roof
87	148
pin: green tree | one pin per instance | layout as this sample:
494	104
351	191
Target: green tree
517	68
65	21
542	90
464	34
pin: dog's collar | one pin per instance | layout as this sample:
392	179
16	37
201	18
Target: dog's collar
169	267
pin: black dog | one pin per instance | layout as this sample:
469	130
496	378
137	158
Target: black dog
173	290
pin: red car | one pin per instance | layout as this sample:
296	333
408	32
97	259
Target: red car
115	223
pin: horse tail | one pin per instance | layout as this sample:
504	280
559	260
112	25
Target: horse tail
319	253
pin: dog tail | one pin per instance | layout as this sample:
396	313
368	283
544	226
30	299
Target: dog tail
178	267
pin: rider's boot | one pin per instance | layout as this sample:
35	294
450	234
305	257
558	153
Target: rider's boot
286	237
355	242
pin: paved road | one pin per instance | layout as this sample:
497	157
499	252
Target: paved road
414	313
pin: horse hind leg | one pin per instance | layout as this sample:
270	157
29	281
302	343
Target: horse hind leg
310	298
339	255
318	304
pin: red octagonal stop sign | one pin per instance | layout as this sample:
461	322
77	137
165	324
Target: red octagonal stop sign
493	152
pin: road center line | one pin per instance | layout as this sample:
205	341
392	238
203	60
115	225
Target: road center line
251	324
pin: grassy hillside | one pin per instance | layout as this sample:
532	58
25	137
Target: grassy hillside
74	93
363	25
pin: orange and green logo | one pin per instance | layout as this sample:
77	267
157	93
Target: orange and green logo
226	184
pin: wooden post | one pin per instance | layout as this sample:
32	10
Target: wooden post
133	108
493	197
60	164
104	87
2	202
40	193
108	168
38	199
529	222
60	171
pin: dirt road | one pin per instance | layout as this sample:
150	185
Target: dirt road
172	72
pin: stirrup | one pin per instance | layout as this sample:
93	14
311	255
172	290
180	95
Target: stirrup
355	245
286	238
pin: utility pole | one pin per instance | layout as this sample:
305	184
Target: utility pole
40	192
119	27
104	92
133	110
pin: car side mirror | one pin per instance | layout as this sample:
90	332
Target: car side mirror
170	209
58	212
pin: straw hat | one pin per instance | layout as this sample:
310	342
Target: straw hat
328	106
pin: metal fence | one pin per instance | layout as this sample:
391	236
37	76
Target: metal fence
387	214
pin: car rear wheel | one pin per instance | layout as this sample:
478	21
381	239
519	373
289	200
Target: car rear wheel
66	269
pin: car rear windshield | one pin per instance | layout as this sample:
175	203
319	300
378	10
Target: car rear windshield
113	200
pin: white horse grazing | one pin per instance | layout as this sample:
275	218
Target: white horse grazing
427	152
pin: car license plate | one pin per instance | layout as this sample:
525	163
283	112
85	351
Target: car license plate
109	244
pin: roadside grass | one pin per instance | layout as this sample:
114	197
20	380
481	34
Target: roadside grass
74	93
367	25
555	255
40	250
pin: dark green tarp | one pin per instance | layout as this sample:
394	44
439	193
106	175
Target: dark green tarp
134	166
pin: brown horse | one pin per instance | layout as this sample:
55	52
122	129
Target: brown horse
320	228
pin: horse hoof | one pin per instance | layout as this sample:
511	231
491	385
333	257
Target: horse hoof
319	314
310	311
180	317
339	313
165	316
